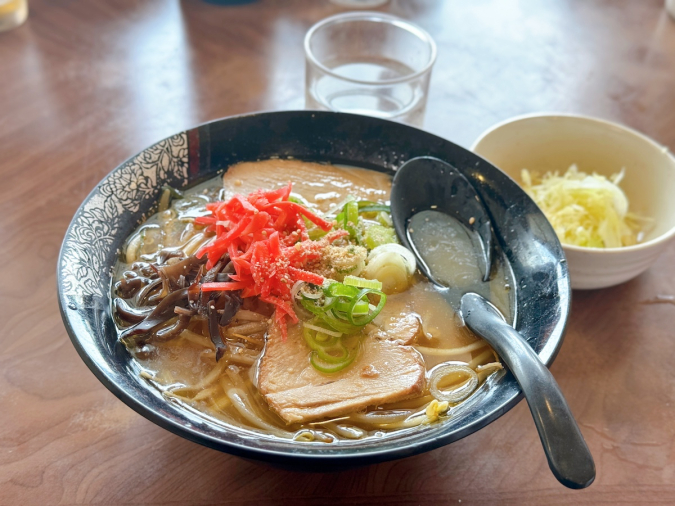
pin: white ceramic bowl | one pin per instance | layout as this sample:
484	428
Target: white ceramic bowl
548	142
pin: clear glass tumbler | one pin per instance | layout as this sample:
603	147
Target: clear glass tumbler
12	13
369	63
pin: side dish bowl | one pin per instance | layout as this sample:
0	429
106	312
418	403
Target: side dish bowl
130	192
553	142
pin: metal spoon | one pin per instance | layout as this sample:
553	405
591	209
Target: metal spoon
427	183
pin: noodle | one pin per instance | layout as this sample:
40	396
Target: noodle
246	315
238	398
208	379
239	358
194	338
452	352
232	372
305	436
460	392
196	242
206	393
255	341
415	403
380	417
248	328
486	370
408	423
480	359
346	431
207	357
221	403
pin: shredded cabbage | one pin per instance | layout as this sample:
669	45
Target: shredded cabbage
585	210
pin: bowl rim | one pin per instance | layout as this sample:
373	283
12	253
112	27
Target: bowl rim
656	241
330	458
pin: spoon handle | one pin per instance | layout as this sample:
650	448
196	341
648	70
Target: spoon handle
565	448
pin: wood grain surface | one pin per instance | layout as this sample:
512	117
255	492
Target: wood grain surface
86	84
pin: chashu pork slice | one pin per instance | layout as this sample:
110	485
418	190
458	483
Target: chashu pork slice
385	371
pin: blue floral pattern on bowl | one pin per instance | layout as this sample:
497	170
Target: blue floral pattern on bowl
85	259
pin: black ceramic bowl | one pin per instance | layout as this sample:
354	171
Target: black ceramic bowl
129	194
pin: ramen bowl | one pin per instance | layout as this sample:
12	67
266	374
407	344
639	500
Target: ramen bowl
130	193
553	142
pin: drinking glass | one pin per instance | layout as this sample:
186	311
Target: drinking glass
12	13
369	63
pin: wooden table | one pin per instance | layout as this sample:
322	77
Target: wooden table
84	85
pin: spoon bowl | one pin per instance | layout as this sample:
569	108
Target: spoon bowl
427	183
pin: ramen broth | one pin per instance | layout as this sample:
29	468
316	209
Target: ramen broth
185	370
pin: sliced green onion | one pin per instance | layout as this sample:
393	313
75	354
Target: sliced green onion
309	294
341	290
345	308
360	322
298	199
361	307
328	368
408	257
348	218
326	314
375	208
311	306
362	282
322	330
306	291
384	219
312	341
327	354
315	233
339	324
329	302
376	235
323	338
353	234
365	203
351	211
339	207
